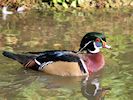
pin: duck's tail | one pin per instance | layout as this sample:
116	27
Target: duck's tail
26	60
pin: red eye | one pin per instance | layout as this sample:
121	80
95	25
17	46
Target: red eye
97	40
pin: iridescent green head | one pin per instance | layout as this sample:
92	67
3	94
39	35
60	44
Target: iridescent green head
92	42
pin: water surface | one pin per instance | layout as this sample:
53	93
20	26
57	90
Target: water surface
38	31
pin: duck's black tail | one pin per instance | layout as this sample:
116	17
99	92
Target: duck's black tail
24	59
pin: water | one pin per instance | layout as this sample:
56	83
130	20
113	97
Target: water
37	31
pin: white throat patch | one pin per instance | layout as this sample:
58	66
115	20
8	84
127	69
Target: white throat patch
97	49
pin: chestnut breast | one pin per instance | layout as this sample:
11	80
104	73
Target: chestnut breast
94	62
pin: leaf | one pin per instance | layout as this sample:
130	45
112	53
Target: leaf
55	1
64	4
60	1
74	4
67	0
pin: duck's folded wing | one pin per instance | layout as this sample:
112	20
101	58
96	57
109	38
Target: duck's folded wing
60	61
67	56
50	52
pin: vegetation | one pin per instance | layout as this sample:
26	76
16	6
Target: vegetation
87	4
65	4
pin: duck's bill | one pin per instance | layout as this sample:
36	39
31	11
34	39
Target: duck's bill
106	46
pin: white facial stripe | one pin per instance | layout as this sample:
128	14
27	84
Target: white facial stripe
97	49
84	46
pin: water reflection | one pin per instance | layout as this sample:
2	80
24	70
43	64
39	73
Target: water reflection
92	90
13	84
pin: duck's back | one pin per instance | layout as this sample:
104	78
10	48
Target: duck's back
63	63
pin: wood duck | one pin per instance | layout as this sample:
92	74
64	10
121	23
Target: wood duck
64	62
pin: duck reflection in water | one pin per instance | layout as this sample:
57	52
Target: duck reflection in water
92	90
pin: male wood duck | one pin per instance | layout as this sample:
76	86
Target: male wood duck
64	62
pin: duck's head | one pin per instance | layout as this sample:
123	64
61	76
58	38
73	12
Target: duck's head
92	42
